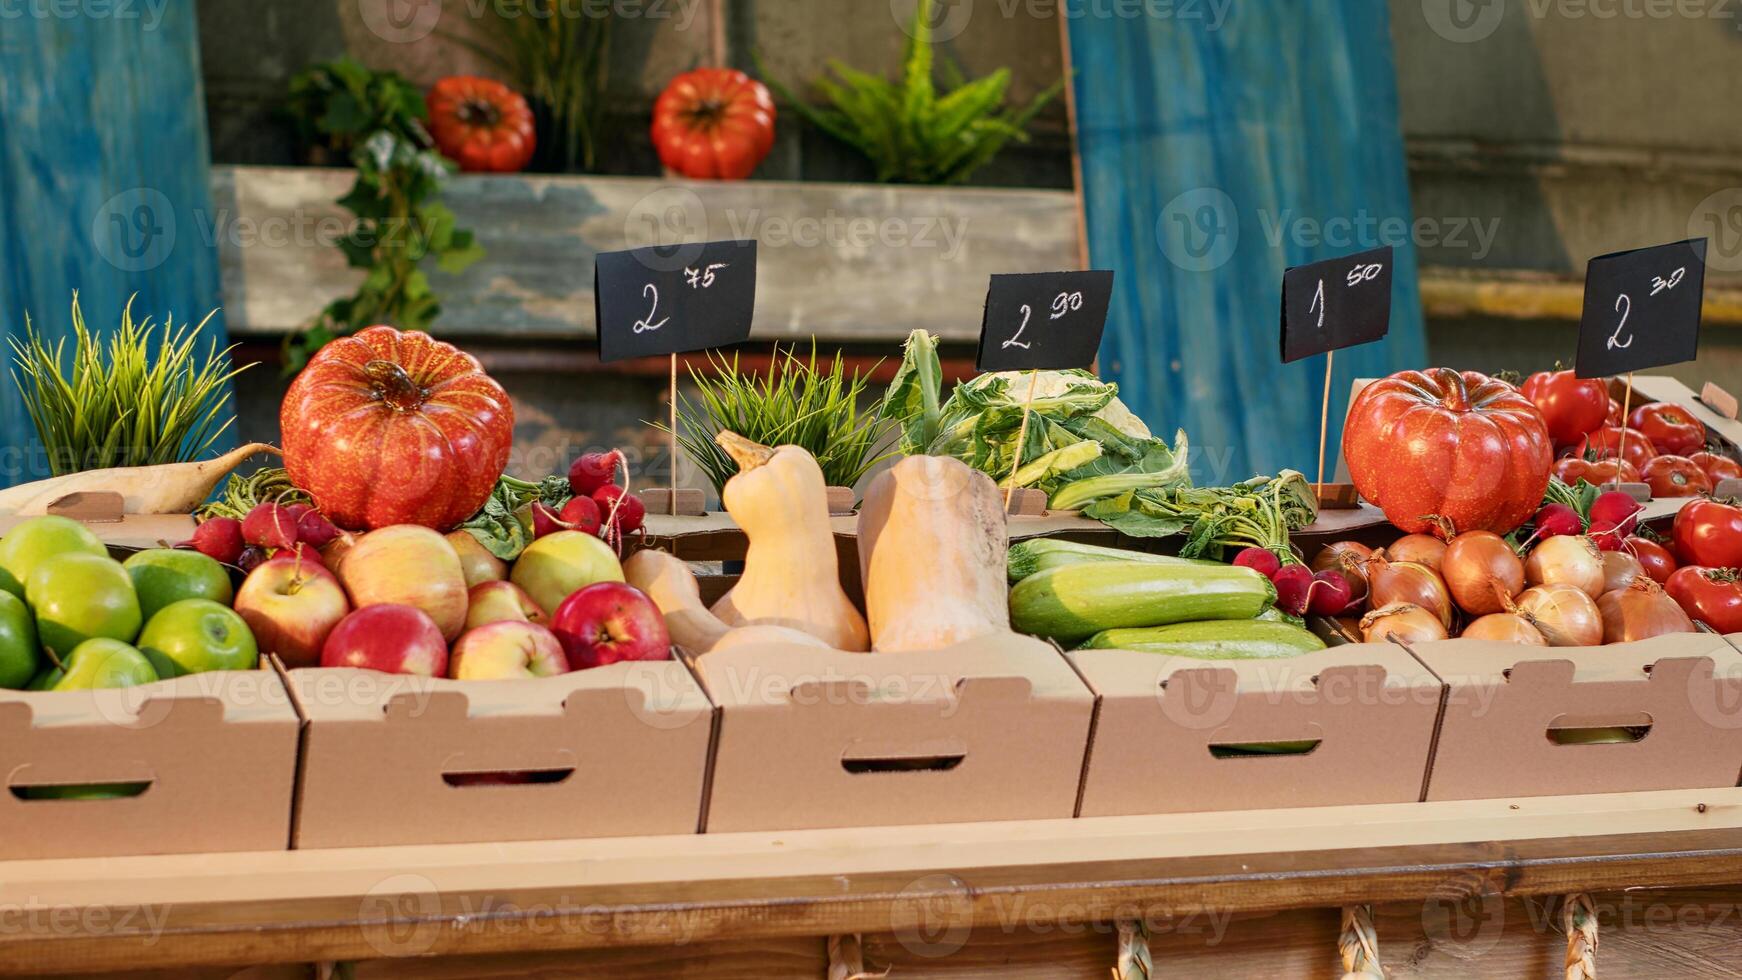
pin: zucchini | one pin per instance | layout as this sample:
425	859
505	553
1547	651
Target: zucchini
1072	602
1039	554
1253	639
1272	614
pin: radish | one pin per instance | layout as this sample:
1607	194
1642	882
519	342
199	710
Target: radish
220	538
582	514
1614	508
269	525
594	470
1293	583
1329	593
1555	520
314	528
545	520
620	508
1261	560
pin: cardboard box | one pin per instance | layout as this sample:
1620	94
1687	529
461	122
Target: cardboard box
991	729
613	751
1349	724
216	752
1514	716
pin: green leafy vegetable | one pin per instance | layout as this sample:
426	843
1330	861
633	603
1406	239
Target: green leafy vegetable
504	524
1261	511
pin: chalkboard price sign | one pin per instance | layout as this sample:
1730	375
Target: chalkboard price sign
1642	308
1046	321
1336	303
670	299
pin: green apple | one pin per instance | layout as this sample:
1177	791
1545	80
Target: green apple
79	596
165	575
31	542
19	658
102	663
196	635
560	563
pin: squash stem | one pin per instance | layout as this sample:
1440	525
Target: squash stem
748	455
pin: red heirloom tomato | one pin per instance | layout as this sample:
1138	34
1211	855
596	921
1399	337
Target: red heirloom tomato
1425	445
1614	418
1570	405
1717	467
1711	595
1708	532
1675	476
1653	557
480	124
384	427
1671	428
1571	469
1605	443
713	122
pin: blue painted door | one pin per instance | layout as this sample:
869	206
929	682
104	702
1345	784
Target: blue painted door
104	172
1218	149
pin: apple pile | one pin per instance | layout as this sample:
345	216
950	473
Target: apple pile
408	599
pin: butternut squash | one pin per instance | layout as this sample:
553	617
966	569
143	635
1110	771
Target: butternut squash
932	548
791	574
765	635
167	488
671	585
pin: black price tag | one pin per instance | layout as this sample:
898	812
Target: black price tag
1043	320
1642	308
1336	303
667	299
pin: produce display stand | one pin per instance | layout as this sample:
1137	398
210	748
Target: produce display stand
1459	889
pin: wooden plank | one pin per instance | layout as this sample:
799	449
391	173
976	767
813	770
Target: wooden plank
477	899
838	261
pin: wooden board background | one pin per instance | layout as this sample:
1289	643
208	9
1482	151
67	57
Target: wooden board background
838	261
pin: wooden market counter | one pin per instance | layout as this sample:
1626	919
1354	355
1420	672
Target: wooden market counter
1460	888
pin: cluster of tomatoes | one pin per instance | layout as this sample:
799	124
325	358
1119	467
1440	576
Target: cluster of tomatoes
1660	444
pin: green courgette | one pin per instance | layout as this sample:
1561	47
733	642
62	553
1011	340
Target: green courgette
1252	639
1072	602
1041	554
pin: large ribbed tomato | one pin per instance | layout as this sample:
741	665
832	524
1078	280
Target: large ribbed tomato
1427	445
713	123
389	427
480	124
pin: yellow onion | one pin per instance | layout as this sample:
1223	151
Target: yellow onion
1482	572
1566	559
1390	582
1505	627
1639	611
1620	570
1423	549
1403	620
1348	559
1564	614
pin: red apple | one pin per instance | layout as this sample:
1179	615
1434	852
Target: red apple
291	609
389	637
411	565
495	602
477	564
610	621
507	649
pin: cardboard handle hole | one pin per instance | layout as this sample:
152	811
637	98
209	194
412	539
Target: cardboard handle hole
507	777
1260	750
81	791
1598	734
918	763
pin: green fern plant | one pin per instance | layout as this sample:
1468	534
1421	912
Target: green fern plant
916	130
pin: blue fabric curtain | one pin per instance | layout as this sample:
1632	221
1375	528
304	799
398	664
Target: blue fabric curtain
104	170
1216	153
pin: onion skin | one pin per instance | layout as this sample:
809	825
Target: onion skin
1564	614
1566	560
1392	582
1349	559
1620	570
1479	566
1640	611
1505	627
1423	549
1405	621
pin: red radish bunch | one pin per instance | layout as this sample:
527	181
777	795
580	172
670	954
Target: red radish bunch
1298	590
220	538
267	530
594	470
